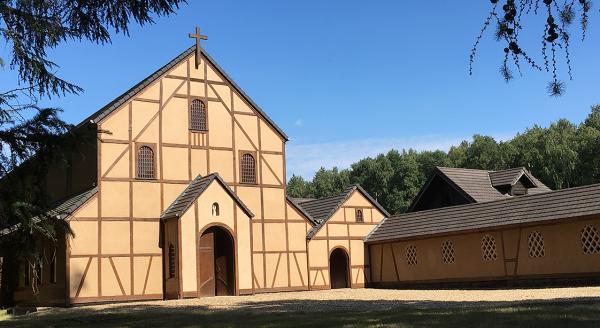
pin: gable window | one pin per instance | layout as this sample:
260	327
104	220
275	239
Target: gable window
359	216
488	248
198	116
590	240
215	209
145	163
448	252
171	261
535	243
248	168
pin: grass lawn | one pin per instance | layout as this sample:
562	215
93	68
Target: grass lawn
584	313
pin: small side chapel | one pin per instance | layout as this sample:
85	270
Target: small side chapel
183	194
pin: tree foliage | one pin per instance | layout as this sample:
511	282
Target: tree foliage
32	139
562	155
509	18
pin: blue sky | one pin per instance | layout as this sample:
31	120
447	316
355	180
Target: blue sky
345	79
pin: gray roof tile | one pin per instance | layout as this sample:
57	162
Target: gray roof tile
193	191
528	209
321	210
62	208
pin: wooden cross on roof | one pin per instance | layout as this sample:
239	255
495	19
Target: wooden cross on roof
198	37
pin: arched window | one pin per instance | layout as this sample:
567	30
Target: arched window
171	261
248	168
590	240
411	255
215	209
488	248
535	243
359	216
448	252
145	163
198	115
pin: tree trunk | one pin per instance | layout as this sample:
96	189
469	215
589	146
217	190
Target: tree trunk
8	280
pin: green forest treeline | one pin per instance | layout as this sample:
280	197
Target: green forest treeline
562	155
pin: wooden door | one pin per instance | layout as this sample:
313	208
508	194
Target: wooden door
221	273
206	264
338	269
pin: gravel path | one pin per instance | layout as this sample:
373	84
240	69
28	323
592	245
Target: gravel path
353	299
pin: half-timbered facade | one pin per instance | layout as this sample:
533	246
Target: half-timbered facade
188	199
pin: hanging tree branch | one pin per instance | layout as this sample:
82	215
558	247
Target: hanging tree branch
556	38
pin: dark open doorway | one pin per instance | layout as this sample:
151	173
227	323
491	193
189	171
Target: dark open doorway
338	269
216	263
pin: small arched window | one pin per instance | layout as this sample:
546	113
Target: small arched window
411	255
488	248
171	261
535	243
590	240
215	209
145	163
198	115
359	216
448	252
248	168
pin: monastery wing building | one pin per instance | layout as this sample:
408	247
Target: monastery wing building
181	193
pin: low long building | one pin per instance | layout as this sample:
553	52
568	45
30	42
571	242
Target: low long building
550	235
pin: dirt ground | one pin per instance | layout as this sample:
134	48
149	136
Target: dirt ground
552	307
369	299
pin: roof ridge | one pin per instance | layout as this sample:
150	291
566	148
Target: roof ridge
508	199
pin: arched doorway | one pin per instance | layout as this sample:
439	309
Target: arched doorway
216	263
338	269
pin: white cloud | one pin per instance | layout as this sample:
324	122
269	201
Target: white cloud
306	159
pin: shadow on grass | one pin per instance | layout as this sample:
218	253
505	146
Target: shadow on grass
311	313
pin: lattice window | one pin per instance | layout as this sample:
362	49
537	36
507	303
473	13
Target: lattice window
359	216
215	209
145	163
590	240
171	261
488	248
198	116
448	252
248	168
535	243
411	255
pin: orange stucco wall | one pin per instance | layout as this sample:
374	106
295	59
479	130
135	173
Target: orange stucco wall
119	252
564	256
343	231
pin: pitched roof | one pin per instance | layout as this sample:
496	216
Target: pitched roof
193	191
62	208
481	185
294	202
528	209
129	94
321	210
475	183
